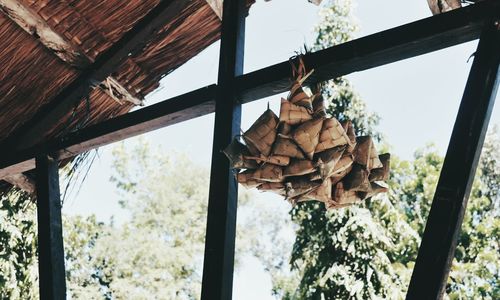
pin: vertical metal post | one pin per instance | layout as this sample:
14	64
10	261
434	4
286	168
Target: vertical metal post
50	240
441	233
223	195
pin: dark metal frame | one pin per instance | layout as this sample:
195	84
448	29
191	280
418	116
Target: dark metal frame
233	89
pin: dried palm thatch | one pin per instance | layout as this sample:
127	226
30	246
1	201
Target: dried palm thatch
321	193
382	174
307	136
32	74
332	135
279	160
237	154
326	162
246	179
286	146
365	153
275	187
268	173
319	109
292	114
261	135
299	167
297	187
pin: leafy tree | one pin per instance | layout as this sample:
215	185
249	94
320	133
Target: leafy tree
158	253
368	251
19	271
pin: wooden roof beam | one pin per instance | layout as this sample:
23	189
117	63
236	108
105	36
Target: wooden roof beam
33	24
21	181
67	51
131	43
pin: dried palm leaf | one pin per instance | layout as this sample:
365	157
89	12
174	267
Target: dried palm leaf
379	174
357	179
332	135
343	196
376	188
315	176
307	136
269	173
327	160
297	187
349	129
319	108
284	128
236	153
301	98
342	168
275	187
298	167
279	160
246	179
262	134
365	153
321	193
293	114
286	146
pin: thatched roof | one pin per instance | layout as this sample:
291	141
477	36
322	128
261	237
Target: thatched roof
44	45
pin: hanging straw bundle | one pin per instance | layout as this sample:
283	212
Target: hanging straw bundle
349	129
327	161
275	187
307	136
299	167
297	187
319	109
245	178
292	114
304	155
268	173
332	135
321	193
365	153
382	174
237	153
261	135
279	160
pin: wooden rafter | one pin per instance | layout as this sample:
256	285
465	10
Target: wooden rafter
130	44
59	45
22	181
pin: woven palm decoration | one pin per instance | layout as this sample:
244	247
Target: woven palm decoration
303	155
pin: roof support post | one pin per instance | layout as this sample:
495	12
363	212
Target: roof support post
441	233
50	240
223	195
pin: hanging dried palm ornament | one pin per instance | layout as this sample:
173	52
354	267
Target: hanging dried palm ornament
304	155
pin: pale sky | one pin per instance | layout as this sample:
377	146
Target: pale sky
417	100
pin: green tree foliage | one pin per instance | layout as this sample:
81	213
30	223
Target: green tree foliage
158	253
367	251
18	268
347	253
